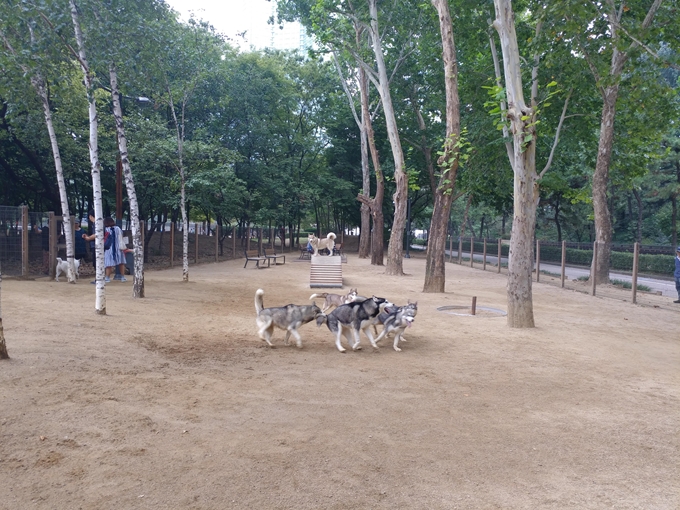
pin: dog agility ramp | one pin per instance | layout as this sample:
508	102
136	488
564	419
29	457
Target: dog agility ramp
325	271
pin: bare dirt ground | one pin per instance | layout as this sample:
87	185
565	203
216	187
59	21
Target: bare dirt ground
172	402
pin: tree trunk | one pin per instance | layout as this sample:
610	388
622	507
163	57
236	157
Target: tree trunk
603	225
100	290
41	89
364	237
138	277
522	126
395	250
435	269
638	230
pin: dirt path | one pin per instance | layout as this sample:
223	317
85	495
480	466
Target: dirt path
173	402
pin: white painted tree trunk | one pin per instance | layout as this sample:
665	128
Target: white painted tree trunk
395	250
138	277
185	232
100	289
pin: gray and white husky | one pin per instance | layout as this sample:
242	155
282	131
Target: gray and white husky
335	299
396	320
353	318
288	318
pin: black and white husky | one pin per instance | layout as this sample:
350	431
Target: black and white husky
396	320
288	318
351	319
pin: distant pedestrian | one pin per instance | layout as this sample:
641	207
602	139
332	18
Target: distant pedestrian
677	273
115	254
80	244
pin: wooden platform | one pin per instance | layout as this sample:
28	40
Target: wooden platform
326	271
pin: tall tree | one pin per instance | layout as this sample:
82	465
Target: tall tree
88	80
435	270
523	121
32	69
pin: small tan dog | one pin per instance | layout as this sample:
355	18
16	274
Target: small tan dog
319	243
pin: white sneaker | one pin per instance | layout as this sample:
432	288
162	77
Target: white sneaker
123	279
107	279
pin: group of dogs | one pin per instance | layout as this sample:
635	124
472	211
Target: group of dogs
353	314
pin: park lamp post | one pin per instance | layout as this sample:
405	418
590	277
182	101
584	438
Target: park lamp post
407	255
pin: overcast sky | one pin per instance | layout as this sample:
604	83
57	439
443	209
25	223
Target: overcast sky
231	17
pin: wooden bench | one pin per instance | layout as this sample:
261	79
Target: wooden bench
254	255
271	254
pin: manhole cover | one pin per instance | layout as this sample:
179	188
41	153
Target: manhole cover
465	311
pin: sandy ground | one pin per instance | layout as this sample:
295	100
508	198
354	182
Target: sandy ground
173	402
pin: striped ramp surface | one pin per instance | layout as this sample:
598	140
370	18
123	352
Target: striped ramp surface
325	271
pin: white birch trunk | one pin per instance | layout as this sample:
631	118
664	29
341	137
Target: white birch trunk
395	250
138	277
185	231
100	290
39	85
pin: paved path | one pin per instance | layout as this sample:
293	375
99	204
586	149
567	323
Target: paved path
666	287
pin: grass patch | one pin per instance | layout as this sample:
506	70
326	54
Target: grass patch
629	285
554	275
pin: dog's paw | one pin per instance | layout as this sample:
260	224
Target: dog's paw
397	349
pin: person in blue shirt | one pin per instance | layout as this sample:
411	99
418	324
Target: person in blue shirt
677	273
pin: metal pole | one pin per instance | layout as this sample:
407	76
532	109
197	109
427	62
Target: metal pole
460	250
217	242
196	242
172	243
474	305
636	257
24	240
472	251
593	284
407	255
564	260
484	257
538	260
499	255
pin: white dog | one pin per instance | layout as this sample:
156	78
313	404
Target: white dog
319	244
62	267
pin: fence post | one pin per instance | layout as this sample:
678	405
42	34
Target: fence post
564	260
472	250
460	250
24	240
233	242
500	252
538	260
451	247
636	257
142	236
172	243
593	285
52	263
484	257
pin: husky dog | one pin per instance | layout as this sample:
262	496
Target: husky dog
335	299
289	317
319	244
396	320
354	318
62	267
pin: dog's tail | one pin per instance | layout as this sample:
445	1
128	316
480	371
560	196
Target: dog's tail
331	235
322	295
259	302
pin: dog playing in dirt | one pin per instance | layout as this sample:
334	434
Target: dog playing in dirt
335	299
288	318
319	243
62	267
351	319
396	320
